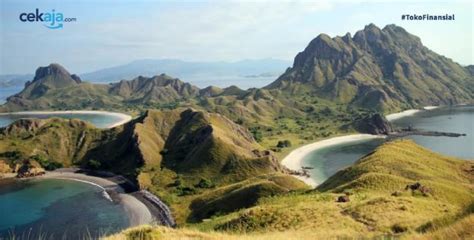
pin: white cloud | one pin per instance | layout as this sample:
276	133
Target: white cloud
217	31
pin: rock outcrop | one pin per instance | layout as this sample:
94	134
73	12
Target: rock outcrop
157	89
29	169
47	78
373	124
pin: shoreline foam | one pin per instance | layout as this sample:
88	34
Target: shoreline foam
294	159
137	212
123	118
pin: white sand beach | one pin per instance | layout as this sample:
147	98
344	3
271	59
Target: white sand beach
294	160
409	112
137	212
430	107
394	116
123	118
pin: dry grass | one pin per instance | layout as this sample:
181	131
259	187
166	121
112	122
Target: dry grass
157	233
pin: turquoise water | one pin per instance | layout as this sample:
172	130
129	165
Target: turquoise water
329	160
6	92
56	208
98	119
458	120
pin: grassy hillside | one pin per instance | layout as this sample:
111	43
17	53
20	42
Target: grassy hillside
385	69
54	140
184	156
380	204
333	82
212	154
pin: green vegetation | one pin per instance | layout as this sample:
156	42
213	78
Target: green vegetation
205	183
52	143
93	164
373	210
382	69
181	155
284	144
212	154
46	163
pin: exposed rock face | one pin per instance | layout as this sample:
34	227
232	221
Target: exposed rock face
22	125
373	124
29	169
162	89
381	69
46	78
470	68
53	69
76	78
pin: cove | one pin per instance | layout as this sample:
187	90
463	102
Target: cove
55	208
327	161
100	119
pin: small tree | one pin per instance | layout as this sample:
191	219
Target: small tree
257	134
283	144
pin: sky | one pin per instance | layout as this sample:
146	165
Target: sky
112	32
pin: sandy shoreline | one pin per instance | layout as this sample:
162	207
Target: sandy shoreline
409	112
294	160
430	107
123	118
406	113
137	212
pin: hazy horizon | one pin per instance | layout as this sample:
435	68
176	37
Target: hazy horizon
111	33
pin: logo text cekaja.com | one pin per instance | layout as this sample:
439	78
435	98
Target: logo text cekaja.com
51	20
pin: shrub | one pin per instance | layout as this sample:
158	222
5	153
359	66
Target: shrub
94	164
257	134
177	182
283	144
205	183
399	228
14	155
185	190
46	163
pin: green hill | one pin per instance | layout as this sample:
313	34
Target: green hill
182	155
54	88
380	203
385	69
212	154
333	85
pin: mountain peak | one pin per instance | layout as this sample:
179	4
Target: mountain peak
323	37
54	69
371	27
377	69
47	78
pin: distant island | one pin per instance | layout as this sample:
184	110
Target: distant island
213	154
